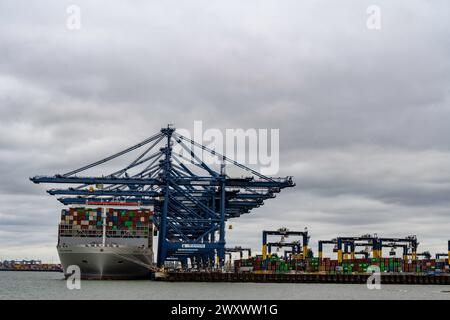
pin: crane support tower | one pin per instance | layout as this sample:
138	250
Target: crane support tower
439	255
241	251
349	247
378	243
410	241
368	239
192	199
284	233
296	247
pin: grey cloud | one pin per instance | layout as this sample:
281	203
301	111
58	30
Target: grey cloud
391	175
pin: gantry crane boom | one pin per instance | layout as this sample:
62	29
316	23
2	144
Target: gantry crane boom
192	199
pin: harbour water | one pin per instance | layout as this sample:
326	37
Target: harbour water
48	285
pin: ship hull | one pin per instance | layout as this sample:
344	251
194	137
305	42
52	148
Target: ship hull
103	263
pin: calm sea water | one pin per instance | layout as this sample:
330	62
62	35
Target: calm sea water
42	285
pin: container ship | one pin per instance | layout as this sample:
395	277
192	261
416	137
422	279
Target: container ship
107	242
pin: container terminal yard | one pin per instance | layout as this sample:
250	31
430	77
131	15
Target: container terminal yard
29	265
169	191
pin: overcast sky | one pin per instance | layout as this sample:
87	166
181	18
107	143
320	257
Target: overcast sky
363	114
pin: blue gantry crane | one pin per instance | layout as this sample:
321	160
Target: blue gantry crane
192	199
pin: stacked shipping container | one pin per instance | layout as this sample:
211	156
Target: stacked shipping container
386	265
272	264
118	221
425	266
22	266
82	219
134	222
328	265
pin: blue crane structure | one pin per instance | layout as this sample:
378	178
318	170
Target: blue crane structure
192	200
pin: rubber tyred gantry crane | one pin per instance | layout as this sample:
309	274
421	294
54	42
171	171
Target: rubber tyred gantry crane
192	199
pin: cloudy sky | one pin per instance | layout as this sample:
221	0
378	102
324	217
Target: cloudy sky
363	114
